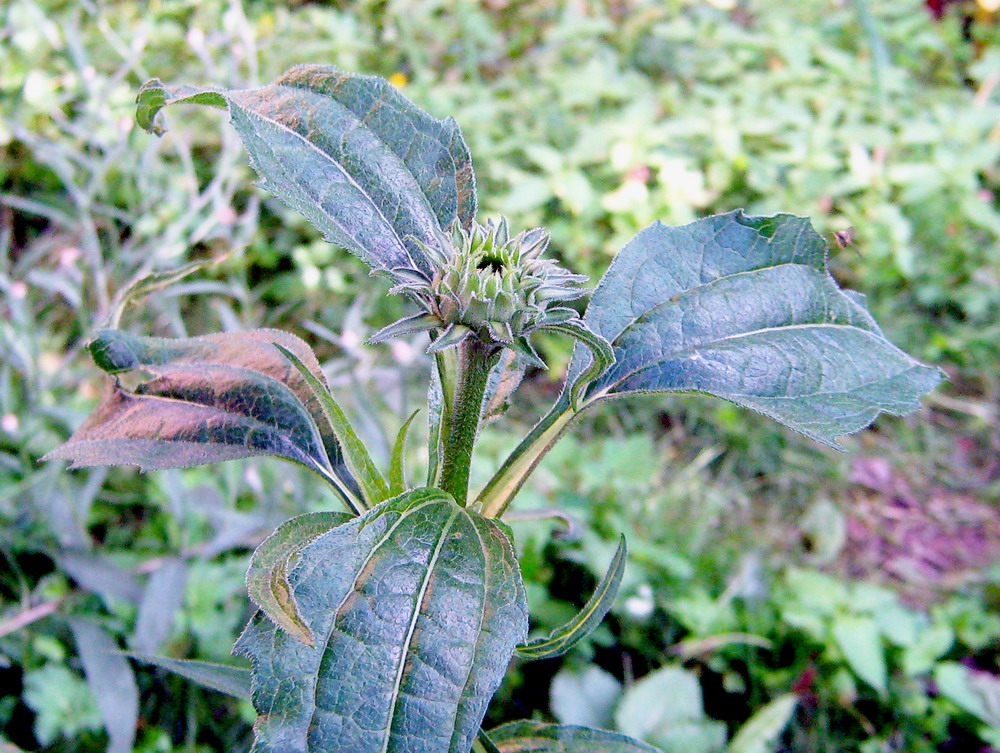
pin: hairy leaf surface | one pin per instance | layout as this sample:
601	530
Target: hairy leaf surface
267	577
744	308
541	737
415	609
371	170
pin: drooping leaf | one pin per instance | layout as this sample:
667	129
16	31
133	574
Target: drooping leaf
540	737
116	352
416	608
397	464
162	598
206	399
111	680
372	171
744	308
231	681
356	457
760	731
267	577
562	639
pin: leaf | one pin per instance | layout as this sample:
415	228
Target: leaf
667	694
397	467
372	171
356	457
744	308
161	600
586	696
111	680
210	398
100	575
231	681
859	640
267	577
562	639
503	381
761	730
975	692
540	737
416	608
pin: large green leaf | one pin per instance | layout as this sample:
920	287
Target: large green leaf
373	172
539	737
416	608
562	639
744	308
206	399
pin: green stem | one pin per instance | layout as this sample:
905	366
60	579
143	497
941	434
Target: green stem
497	495
462	417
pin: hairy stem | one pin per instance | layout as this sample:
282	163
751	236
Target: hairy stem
463	415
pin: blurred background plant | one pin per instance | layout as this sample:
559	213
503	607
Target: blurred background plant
783	597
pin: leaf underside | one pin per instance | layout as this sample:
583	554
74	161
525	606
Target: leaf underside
416	608
372	171
204	399
540	737
743	308
561	640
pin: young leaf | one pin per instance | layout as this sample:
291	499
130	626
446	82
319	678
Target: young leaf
373	486
586	620
232	681
111	680
210	398
541	737
267	577
397	466
744	308
372	171
416	608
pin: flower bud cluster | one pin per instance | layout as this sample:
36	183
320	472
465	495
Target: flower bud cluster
493	286
499	286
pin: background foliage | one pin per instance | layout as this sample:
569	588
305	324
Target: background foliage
761	566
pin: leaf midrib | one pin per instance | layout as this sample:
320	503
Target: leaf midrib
675	299
707	344
360	569
411	629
